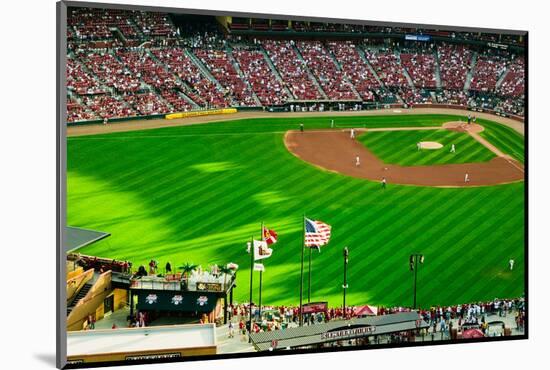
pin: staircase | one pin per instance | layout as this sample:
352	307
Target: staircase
405	72
501	78
339	67
276	73
182	83
310	74
437	71
237	67
361	53
470	74
204	70
81	294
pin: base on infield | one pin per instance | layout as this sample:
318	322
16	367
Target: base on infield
430	145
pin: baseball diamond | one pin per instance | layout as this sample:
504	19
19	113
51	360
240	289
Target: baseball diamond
195	193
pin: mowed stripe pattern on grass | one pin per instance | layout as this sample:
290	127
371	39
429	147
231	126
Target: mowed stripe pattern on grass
200	198
400	147
504	138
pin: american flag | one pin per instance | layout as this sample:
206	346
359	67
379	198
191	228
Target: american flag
317	233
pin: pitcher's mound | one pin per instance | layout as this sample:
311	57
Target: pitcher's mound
430	145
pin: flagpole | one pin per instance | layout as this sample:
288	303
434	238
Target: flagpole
309	278
251	276
261	272
302	268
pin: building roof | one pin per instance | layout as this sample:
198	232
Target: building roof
128	340
78	237
314	334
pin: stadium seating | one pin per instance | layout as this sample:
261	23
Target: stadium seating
128	63
486	73
147	103
454	64
217	61
514	82
80	81
199	88
332	80
96	24
110	71
106	106
77	112
263	81
154	24
386	64
292	70
421	68
355	68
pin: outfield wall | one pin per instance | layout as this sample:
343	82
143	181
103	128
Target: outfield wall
144	124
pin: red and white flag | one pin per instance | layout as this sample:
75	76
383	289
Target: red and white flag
269	236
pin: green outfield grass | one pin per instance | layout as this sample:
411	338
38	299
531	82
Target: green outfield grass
400	147
198	193
504	138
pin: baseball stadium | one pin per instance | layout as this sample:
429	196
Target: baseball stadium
255	184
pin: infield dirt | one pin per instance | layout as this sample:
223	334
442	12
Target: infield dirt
334	150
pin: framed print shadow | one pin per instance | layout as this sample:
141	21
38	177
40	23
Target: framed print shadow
237	185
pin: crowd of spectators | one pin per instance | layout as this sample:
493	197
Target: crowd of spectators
78	112
261	78
107	106
80	81
332	80
513	84
169	78
110	70
453	97
411	96
292	70
154	24
454	64
488	70
96	24
355	68
439	318
421	68
199	88
147	103
387	66
219	64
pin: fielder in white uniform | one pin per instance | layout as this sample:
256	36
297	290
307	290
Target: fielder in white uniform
357	162
352	134
511	262
452	148
466	178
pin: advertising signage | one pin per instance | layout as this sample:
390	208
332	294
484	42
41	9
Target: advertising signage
314	307
345	333
418	37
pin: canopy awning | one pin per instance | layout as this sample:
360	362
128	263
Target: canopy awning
78	237
366	311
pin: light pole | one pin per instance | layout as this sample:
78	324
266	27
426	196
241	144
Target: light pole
414	259
345	285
